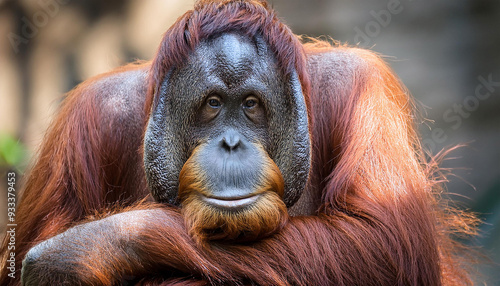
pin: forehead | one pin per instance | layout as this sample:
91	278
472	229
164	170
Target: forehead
235	59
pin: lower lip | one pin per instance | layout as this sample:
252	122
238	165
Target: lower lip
231	204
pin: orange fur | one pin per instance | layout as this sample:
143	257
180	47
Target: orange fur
265	217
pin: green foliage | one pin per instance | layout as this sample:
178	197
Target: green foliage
12	152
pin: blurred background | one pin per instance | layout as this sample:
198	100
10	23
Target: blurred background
446	52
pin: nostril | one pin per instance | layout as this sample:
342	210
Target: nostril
231	141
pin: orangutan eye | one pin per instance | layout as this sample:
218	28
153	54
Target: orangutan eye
214	102
251	102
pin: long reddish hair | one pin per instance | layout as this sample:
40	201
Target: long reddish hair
369	162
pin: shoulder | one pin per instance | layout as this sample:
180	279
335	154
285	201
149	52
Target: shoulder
334	60
117	95
341	69
119	90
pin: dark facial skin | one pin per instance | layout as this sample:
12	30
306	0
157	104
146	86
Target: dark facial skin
229	109
231	120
